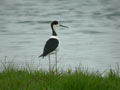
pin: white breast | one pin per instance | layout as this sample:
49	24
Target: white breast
54	37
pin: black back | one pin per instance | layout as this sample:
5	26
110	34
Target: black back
50	46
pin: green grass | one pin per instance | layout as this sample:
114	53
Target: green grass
15	79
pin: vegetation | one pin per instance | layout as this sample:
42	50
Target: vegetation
24	79
12	78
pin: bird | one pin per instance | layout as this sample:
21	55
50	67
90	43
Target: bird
51	45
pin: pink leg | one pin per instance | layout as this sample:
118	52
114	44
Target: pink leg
56	61
49	63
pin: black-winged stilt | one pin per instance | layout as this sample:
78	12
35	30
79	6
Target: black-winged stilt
51	46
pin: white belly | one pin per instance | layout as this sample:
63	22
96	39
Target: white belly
55	51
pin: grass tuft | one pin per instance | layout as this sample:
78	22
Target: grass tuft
23	79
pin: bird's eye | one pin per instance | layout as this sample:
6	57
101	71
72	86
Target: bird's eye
56	22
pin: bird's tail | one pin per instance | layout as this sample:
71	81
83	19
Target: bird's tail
41	56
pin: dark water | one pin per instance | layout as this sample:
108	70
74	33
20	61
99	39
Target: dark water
92	40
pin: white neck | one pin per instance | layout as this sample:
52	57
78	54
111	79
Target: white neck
54	27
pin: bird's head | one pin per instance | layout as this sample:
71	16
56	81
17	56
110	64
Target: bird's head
56	23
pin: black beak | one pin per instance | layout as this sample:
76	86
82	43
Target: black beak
64	26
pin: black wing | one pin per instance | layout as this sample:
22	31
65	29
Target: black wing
50	46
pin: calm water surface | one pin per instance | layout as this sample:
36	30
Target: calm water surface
92	40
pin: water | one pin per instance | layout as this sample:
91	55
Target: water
92	40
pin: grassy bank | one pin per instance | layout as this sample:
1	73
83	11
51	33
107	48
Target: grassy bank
14	79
